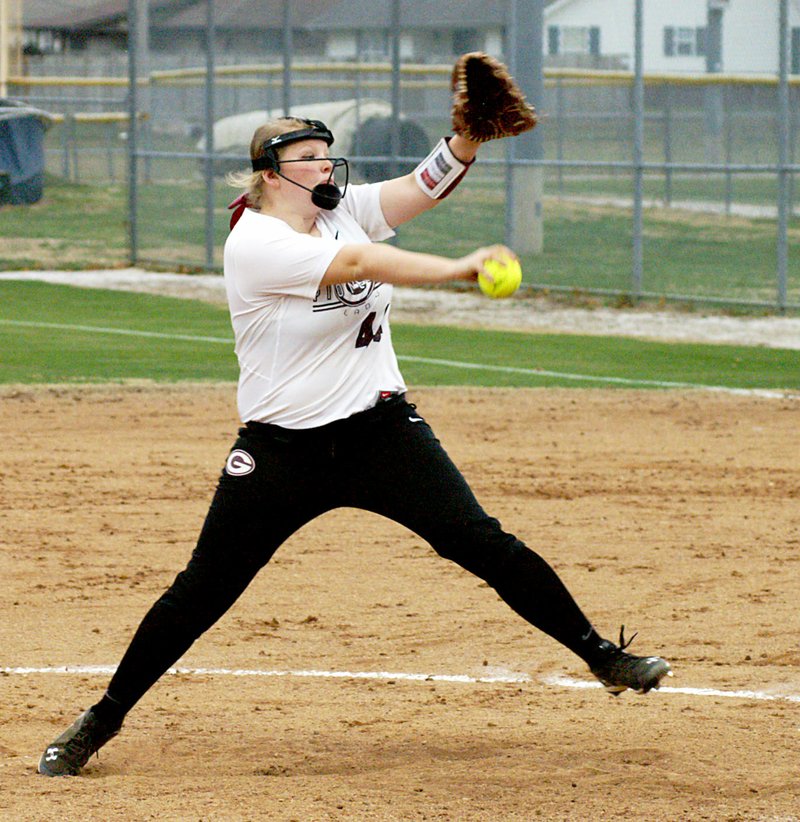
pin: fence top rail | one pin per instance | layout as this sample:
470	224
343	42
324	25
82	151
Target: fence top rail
99	117
673	78
570	75
325	67
47	80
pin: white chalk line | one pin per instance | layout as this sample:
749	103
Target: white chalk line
764	696
564	375
127	332
473	366
91	670
507	678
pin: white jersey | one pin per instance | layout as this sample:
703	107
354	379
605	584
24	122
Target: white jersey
308	355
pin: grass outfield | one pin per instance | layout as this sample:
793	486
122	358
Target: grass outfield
57	334
586	246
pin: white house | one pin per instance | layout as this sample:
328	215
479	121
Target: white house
673	32
577	32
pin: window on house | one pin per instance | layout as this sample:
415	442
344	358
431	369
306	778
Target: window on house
465	40
78	41
682	41
374	44
42	41
573	40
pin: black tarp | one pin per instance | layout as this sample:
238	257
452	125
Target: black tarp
22	129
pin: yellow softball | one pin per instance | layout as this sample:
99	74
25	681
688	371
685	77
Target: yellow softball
504	278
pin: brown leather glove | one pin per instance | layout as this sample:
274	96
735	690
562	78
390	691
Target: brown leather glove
487	102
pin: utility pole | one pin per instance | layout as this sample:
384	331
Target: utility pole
525	185
715	109
143	52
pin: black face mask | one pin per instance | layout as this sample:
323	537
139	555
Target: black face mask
325	195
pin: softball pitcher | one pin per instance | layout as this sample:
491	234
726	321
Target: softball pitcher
309	288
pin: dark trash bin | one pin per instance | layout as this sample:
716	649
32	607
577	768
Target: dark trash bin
22	129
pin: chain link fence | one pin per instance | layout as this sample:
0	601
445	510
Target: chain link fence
651	184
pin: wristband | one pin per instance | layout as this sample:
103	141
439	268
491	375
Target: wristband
441	171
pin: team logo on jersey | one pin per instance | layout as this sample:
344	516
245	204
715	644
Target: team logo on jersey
344	296
354	293
239	463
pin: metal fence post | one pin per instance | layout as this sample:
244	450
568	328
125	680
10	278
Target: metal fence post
74	152
209	160
395	38
560	123
509	47
727	113
357	90
288	49
110	134
143	69
133	171
638	152
66	133
668	144
794	128
783	158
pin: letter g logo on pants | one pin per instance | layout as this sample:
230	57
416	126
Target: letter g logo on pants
239	463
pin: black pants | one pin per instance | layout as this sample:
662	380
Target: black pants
385	460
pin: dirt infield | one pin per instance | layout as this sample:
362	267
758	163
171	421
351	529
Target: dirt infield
675	513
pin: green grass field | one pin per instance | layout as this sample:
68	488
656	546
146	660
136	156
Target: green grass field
62	334
587	247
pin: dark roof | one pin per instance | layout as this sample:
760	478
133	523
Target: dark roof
71	14
414	14
247	14
80	15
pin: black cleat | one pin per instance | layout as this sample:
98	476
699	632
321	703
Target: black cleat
72	750
618	670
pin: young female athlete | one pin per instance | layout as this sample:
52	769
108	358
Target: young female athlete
309	291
